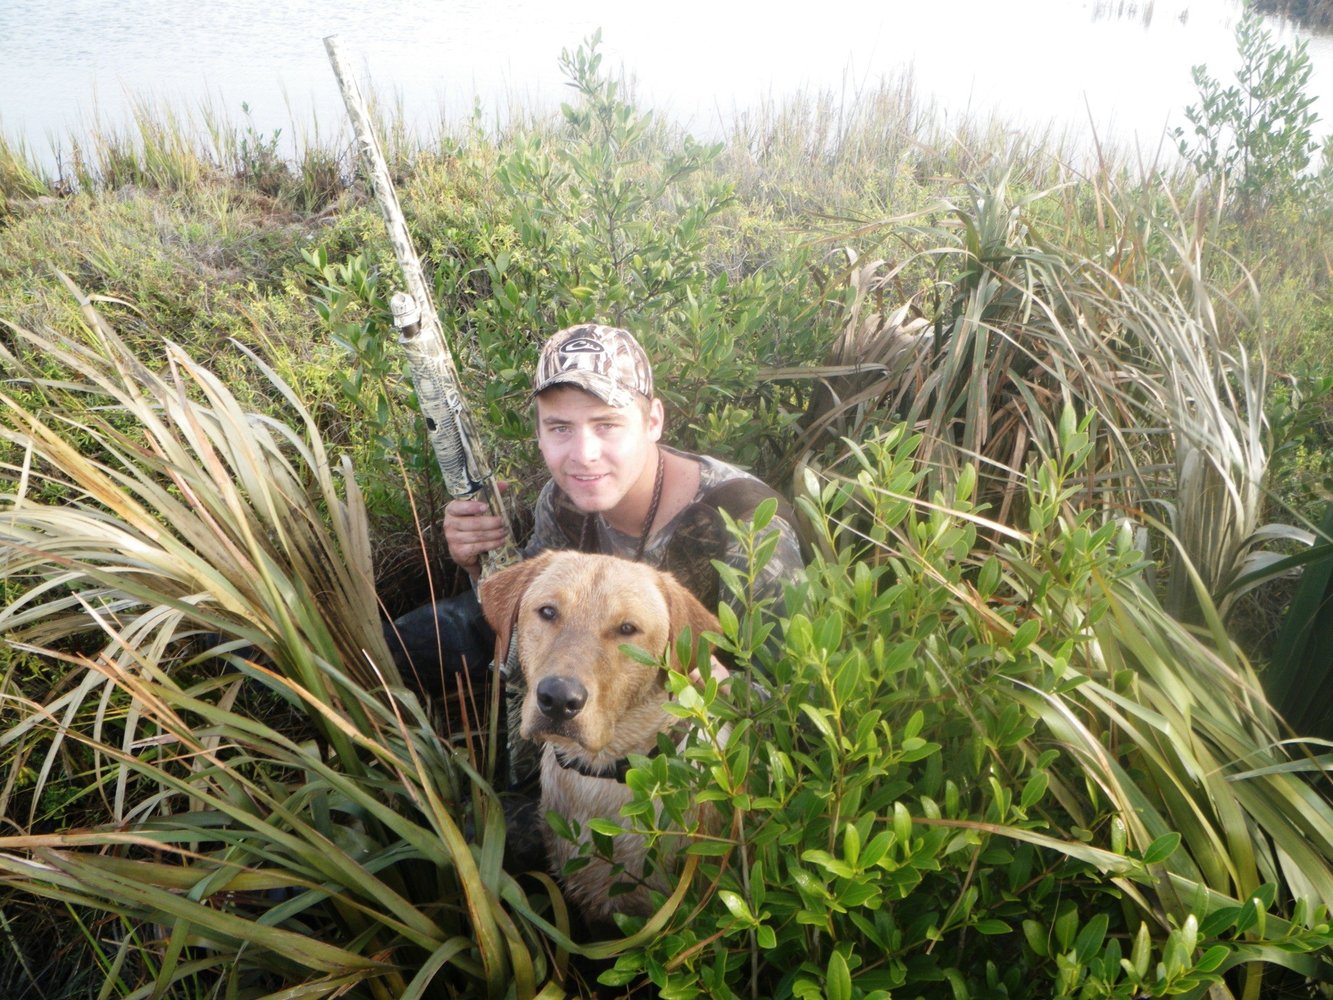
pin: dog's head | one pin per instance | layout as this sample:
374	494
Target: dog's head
572	613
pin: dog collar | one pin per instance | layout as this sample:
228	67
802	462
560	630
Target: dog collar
615	771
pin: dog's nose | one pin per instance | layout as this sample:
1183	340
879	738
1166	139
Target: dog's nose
561	698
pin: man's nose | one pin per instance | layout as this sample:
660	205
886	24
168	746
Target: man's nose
586	446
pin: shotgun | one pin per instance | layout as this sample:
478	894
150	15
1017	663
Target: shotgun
453	435
449	425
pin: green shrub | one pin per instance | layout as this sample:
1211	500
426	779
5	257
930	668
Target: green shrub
1256	137
604	217
968	778
352	304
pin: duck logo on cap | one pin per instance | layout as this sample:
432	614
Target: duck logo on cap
582	345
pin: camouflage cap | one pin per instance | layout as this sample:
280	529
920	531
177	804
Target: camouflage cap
604	360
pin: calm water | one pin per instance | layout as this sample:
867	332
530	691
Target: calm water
1120	67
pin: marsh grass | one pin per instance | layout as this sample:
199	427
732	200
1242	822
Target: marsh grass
19	179
162	146
173	554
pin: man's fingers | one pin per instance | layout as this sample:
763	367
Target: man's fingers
466	508
473	530
469	538
484	541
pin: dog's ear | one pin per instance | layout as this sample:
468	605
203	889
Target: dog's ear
501	591
684	610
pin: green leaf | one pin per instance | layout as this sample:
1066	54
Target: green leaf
834	866
1161	848
957	984
838	980
1211	959
820	718
912	728
902	824
874	851
1034	789
638	654
736	905
727	619
764	513
1142	953
1035	933
851	843
605	827
1025	635
1090	938
1066	924
967	481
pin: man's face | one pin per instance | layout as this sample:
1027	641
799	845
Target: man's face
596	453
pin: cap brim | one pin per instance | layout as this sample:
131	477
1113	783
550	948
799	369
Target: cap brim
607	390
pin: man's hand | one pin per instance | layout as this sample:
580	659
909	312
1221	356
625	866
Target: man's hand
471	530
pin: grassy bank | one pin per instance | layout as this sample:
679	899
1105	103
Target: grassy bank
1314	14
1052	430
803	222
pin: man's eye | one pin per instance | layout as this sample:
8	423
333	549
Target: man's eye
628	628
548	612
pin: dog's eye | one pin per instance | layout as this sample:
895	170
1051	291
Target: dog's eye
628	628
548	612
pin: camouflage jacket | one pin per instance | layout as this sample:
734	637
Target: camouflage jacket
685	547
687	544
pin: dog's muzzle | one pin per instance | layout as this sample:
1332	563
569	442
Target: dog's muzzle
561	698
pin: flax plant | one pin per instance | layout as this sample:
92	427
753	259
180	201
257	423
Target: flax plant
257	796
1025	327
1004	343
1212	397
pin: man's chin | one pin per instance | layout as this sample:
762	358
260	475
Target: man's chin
589	501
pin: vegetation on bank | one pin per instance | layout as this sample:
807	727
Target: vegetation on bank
1056	433
1314	14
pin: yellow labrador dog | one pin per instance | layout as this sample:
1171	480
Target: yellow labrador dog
589	703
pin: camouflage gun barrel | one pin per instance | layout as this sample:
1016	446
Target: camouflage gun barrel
453	436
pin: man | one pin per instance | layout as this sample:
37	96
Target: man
614	488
